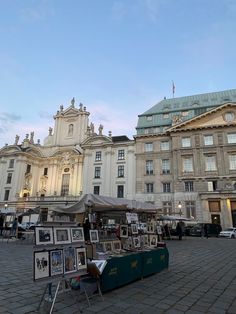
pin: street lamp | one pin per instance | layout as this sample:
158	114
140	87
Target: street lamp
5	205
179	207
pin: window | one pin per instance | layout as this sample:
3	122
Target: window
11	163
188	186
28	168
148	147
231	138
214	206
208	140
232	162
96	189
121	171
167	208
165	145
120	191
149	167
9	177
98	156
121	154
212	186
184	113
149	187
186	142
210	163
166	187
149	118
70	129
165	166
65	184
187	164
97	173
45	171
229	116
6	195
165	115
190	209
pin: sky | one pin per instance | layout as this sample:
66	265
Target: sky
117	57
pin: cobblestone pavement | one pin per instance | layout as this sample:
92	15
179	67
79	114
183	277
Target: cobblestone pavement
201	279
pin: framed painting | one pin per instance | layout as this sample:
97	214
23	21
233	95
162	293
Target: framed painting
41	265
150	227
77	234
107	246
153	240
93	236
116	245
56	262
43	235
134	228
81	258
136	242
124	231
62	235
69	260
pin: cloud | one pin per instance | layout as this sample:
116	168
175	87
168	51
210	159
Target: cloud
36	13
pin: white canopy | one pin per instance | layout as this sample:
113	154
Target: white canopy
102	203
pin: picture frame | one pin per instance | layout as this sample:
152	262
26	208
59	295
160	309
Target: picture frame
152	240
116	245
124	231
93	236
107	246
81	259
150	227
62	235
56	262
134	228
41	264
159	230
70	265
136	242
44	235
77	234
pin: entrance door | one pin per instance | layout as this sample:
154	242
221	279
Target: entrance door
215	219
233	217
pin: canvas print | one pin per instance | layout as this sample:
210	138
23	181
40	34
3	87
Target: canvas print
69	260
56	262
93	236
77	234
150	227
136	241
124	231
62	235
41	265
107	246
43	235
153	240
134	228
116	245
81	258
128	244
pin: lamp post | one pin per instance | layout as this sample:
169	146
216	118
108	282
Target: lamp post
180	207
6	206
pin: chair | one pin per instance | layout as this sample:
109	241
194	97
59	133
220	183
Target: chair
90	284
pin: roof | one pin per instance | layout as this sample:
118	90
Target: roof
162	113
121	138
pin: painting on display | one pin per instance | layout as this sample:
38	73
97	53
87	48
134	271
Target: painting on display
134	228
43	235
81	258
62	235
107	246
56	262
93	236
124	231
41	265
116	245
136	242
69	260
77	234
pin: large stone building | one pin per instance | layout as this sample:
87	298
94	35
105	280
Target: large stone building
182	159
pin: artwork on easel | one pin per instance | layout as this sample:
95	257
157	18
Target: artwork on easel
93	236
41	265
56	262
77	234
134	228
124	231
43	235
69	260
62	235
81	258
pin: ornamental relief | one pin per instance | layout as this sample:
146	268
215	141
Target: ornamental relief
66	161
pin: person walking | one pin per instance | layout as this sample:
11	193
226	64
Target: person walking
206	231
179	230
1	224
14	227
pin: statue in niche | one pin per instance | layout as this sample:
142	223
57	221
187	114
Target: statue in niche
31	137
73	102
92	127
100	129
70	129
50	131
17	139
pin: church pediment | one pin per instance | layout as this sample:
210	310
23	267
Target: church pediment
12	149
224	115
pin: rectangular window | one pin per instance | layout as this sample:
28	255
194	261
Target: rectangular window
149	118
121	170
165	115
232	162
28	168
190	209
65	184
208	140
231	138
149	187
98	156
212	186
45	171
149	167
11	163
210	163
186	142
165	145
166	187
121	154
96	189
214	206
187	164
97	173
9	177
167	208
6	195
148	147
188	186
165	166
120	191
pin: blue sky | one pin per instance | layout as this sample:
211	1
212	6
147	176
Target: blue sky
117	57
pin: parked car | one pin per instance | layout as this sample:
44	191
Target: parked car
228	233
212	229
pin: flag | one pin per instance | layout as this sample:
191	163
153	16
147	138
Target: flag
173	88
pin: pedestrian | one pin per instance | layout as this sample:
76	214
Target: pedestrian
14	227
179	230
1	224
206	230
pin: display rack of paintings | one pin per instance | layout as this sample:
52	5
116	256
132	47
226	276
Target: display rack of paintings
93	236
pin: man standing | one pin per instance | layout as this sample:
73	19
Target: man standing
1	224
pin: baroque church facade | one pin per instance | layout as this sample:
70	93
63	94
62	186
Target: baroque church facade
182	159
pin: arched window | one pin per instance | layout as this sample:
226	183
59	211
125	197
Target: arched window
70	129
